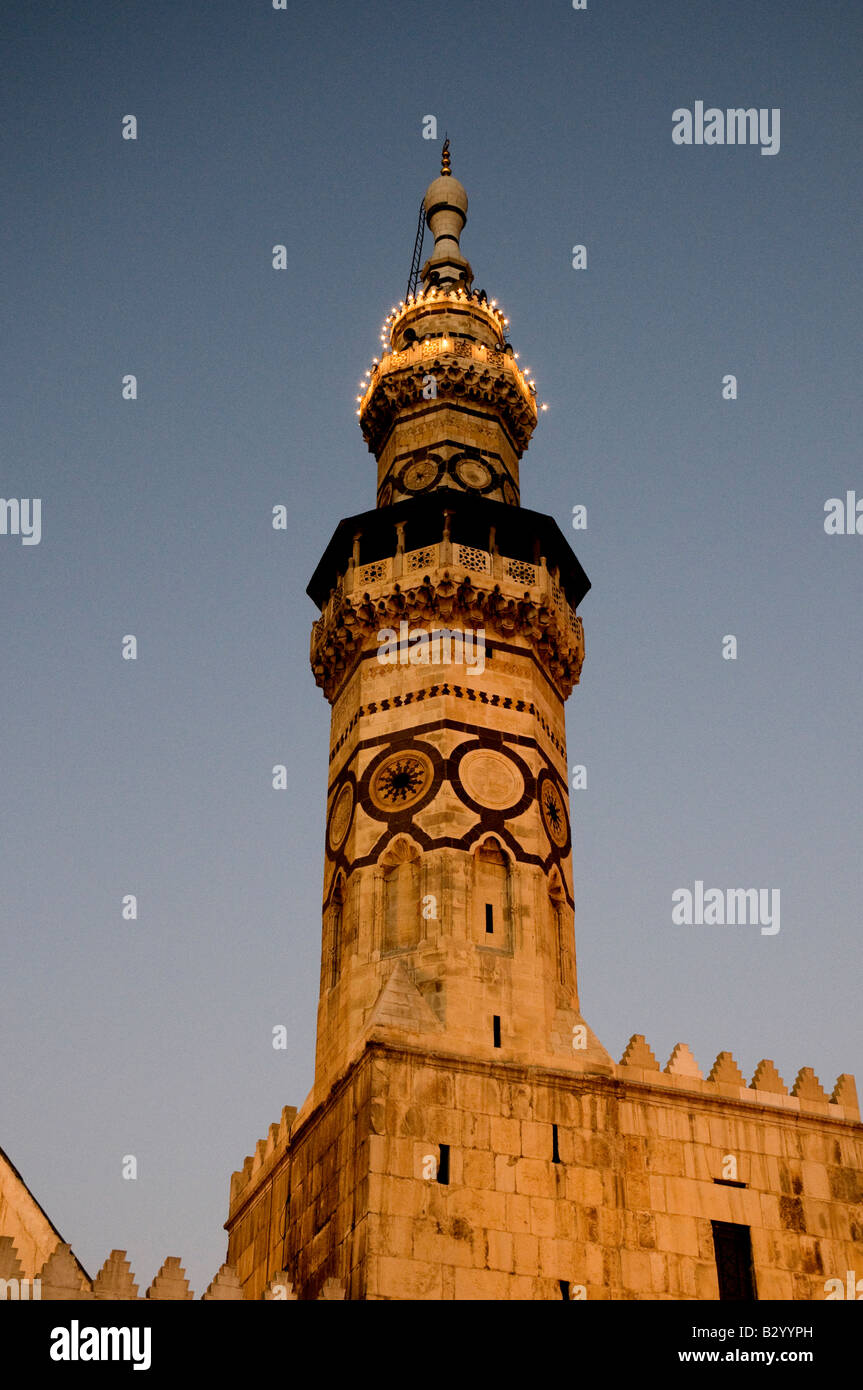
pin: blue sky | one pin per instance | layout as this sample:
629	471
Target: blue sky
705	517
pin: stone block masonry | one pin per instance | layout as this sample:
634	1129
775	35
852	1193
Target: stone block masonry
605	1186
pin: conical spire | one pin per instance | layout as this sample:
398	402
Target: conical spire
446	214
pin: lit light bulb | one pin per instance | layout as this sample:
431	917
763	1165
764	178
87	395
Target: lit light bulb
543	406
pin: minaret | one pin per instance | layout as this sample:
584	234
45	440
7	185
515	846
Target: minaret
467	1136
447	644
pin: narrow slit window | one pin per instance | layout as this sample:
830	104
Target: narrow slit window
564	1290
491	893
443	1164
555	1151
496	1029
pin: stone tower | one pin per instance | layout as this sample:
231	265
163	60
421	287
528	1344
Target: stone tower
447	643
467	1135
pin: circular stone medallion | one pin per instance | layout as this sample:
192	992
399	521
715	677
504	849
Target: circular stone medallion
420	474
401	781
554	816
490	779
473	473
340	817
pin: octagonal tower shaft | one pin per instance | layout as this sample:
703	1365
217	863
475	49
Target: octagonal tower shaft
447	645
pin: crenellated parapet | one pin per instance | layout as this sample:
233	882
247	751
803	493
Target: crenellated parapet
725	1079
267	1153
62	1279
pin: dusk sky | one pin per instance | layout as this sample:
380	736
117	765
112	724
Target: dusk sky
153	777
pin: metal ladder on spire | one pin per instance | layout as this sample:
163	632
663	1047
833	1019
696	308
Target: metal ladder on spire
413	278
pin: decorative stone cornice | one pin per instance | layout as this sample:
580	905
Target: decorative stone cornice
555	633
463	372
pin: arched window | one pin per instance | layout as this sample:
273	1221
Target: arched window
401	895
560	921
337	906
491	895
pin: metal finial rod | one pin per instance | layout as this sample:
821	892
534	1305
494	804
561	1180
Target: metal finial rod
444	158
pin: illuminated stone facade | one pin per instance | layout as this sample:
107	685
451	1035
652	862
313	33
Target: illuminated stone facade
467	1135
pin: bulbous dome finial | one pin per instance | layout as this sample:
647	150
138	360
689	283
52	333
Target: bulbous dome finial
446	214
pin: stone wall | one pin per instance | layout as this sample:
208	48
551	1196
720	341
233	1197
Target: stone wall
617	1204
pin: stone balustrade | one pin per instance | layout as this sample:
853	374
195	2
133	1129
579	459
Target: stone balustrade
514	578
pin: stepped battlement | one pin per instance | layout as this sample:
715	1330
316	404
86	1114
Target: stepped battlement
62	1279
681	1072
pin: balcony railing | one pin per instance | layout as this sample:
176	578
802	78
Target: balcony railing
514	577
